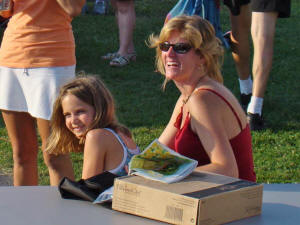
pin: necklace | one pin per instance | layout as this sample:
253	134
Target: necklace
184	101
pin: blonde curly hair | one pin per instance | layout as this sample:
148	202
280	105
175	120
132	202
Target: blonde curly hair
200	34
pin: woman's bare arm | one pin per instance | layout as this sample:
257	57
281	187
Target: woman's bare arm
167	137
206	120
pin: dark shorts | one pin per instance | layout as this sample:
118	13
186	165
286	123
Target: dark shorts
283	7
235	5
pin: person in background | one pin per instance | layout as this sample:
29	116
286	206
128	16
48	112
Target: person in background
264	17
3	24
37	56
100	7
208	124
207	9
125	17
84	120
240	17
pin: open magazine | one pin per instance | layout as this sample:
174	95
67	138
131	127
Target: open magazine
160	163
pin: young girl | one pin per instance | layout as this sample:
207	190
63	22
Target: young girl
84	120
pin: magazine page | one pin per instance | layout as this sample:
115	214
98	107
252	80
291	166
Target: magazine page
160	163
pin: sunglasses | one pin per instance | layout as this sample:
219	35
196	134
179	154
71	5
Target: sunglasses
180	48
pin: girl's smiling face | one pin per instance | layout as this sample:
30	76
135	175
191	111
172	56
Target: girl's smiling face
180	67
78	114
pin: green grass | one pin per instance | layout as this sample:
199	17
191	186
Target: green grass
145	109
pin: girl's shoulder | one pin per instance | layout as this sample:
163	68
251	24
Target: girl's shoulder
109	136
103	139
100	134
98	131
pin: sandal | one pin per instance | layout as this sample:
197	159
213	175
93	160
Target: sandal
131	56
110	56
123	60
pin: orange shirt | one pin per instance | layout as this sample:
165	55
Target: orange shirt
39	34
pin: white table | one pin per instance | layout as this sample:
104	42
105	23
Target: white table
281	206
42	205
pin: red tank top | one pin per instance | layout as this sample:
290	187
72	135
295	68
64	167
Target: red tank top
188	144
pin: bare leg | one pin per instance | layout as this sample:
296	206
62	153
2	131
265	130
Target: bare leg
114	5
59	166
262	31
22	133
126	23
240	26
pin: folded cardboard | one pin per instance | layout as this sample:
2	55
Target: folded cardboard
202	198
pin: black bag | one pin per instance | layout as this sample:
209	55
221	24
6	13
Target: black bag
88	189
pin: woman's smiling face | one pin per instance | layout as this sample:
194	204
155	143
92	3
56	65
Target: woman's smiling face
179	67
78	114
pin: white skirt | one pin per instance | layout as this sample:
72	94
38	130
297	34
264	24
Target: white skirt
32	90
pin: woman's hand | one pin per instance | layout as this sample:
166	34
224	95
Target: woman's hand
72	7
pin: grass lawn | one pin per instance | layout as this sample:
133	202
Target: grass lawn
146	109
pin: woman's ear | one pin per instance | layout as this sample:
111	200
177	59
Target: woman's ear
202	60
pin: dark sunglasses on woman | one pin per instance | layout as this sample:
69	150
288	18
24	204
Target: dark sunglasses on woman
180	48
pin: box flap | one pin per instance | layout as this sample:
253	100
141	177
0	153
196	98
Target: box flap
220	189
195	182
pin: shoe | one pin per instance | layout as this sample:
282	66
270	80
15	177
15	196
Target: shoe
245	99
227	39
255	121
123	60
100	7
110	56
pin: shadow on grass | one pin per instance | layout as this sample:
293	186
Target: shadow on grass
2	125
281	114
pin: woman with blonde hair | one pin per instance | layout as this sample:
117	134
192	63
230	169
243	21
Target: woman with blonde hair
207	124
84	120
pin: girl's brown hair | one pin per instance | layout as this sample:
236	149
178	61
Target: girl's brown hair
92	91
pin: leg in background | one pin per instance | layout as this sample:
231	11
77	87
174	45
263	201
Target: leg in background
125	19
240	26
59	166
22	133
126	23
239	38
262	31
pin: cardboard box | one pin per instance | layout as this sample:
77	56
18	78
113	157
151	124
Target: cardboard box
202	198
